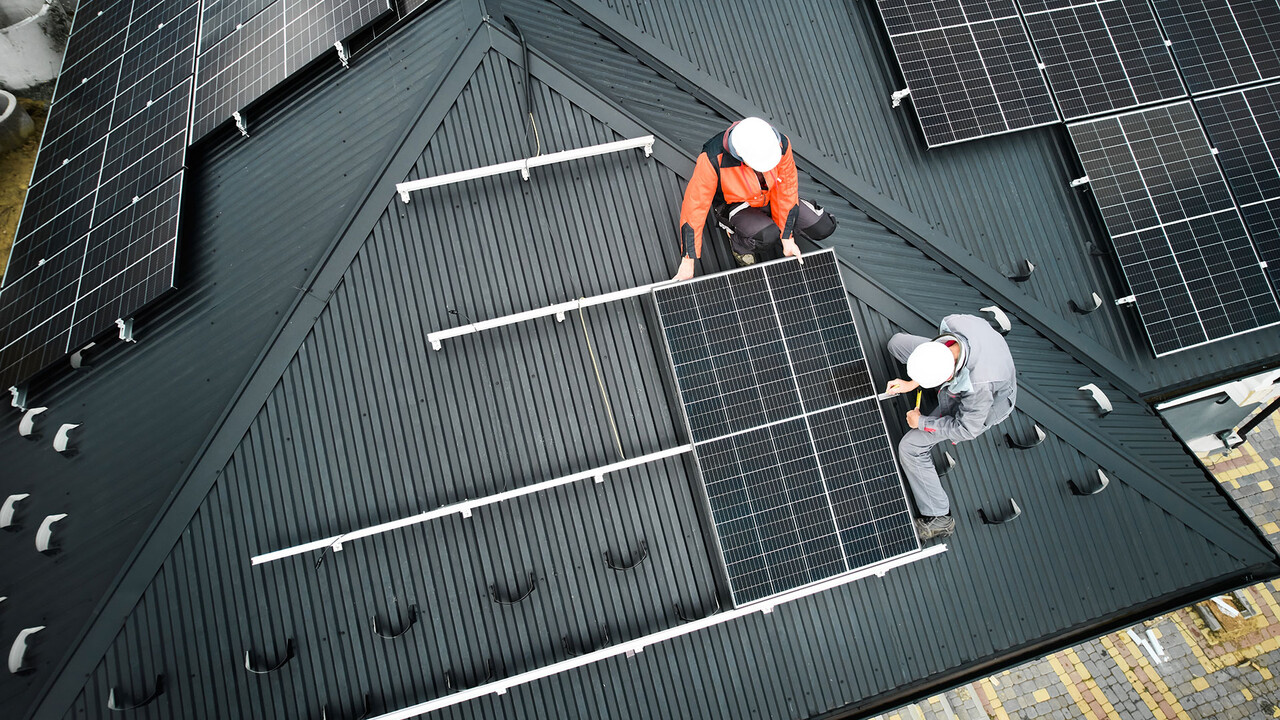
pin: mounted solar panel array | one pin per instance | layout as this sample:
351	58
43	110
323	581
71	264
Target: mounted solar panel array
1244	127
97	239
1102	56
969	67
1220	44
248	46
86	253
1182	245
799	472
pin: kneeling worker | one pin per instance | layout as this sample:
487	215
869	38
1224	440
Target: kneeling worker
970	364
746	176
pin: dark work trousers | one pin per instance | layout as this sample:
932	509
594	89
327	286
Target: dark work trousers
752	230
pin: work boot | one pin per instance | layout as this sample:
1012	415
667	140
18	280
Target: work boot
744	259
935	527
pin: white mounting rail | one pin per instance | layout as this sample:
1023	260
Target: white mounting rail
631	648
522	166
558	310
464	508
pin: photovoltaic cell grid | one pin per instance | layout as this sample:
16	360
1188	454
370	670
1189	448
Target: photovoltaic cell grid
798	468
1178	236
1220	44
1103	56
239	65
1244	127
89	243
969	66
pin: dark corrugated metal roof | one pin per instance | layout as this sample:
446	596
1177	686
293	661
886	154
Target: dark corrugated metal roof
349	419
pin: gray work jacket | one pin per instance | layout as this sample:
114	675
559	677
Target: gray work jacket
992	388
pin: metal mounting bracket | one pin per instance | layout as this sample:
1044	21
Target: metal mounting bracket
898	96
342	54
1080	181
19	393
240	124
126	329
1126	300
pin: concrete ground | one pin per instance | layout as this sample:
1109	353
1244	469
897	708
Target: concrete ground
1190	664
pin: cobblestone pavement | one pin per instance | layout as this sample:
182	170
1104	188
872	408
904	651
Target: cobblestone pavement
1209	661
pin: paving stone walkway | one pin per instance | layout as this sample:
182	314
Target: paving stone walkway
1210	661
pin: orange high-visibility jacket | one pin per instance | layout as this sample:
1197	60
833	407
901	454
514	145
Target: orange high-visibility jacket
720	177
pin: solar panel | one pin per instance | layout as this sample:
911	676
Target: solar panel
63	187
1104	56
129	261
220	18
313	26
79	118
148	17
98	33
156	64
239	69
35	314
1220	44
1244	127
970	68
1177	233
143	151
33	247
800	475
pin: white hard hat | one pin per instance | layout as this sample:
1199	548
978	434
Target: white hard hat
757	143
931	364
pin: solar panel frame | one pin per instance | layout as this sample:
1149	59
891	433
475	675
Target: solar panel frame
143	151
1104	55
220	18
81	117
35	315
969	79
156	64
239	69
1177	232
730	488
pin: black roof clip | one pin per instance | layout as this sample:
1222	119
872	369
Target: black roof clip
636	558
324	710
1023	273
116	706
1095	302
413	618
488	676
685	618
575	652
513	598
1040	436
1013	512
250	665
944	465
1092	488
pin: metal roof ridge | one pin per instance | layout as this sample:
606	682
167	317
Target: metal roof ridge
875	204
175	515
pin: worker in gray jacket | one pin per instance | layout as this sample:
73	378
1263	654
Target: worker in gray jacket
970	364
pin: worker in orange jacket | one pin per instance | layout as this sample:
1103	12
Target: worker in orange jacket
746	176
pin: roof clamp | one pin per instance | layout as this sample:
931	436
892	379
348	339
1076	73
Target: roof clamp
19	393
126	329
342	54
78	359
18	651
10	510
1003	517
257	669
240	124
1001	319
1095	302
560	316
636	558
44	535
113	704
945	465
1016	445
1023	273
1099	397
62	439
599	478
1080	181
28	423
1092	489
1127	300
898	96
